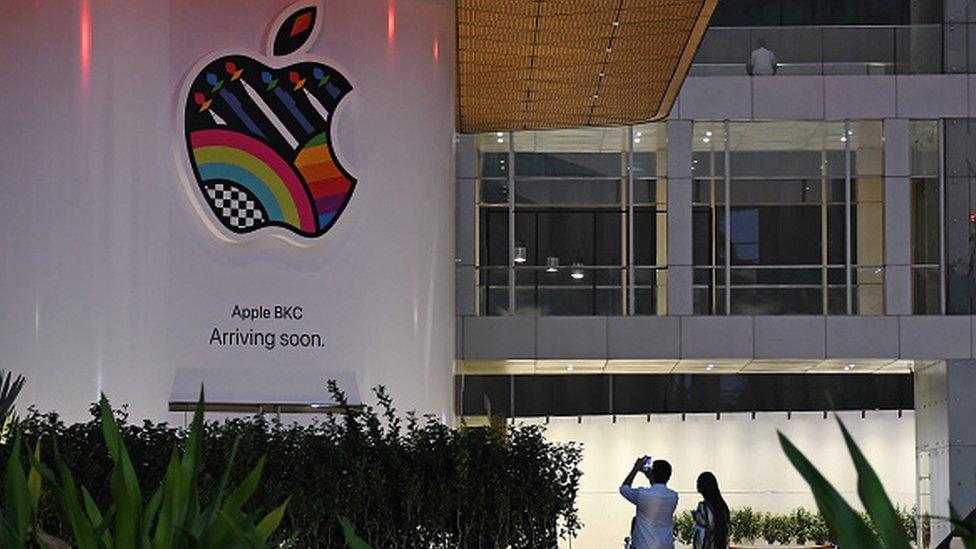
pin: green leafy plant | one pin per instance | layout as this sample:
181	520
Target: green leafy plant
173	516
9	390
400	480
22	492
880	527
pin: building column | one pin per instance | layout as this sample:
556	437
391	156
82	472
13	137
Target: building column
466	233
956	19
680	298
897	217
945	443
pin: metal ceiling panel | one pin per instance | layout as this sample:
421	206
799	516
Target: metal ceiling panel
539	64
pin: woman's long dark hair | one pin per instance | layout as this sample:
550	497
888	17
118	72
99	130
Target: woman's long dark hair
708	488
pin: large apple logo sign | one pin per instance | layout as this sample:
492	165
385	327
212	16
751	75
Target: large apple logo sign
257	136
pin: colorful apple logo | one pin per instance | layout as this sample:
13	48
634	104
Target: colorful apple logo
257	136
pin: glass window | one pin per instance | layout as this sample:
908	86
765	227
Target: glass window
789	215
579	226
924	167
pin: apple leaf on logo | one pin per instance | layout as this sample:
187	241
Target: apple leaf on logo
295	31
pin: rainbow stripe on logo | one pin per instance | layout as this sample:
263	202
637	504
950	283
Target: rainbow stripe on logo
224	155
329	186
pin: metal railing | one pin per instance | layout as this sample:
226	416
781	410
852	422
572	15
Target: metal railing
824	50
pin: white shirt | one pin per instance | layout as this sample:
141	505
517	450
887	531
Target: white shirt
654	527
763	62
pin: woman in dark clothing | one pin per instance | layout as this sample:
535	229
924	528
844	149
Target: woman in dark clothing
712	515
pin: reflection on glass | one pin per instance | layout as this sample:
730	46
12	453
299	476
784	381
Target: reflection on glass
572	220
790	211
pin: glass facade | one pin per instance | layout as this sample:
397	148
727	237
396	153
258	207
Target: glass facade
825	12
802	232
960	215
815	50
575	222
588	215
926	213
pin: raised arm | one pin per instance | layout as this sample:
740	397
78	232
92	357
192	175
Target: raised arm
629	479
630	494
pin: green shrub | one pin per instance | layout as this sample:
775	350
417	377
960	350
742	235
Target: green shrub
401	481
882	525
684	528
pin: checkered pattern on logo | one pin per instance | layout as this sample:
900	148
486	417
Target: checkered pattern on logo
234	206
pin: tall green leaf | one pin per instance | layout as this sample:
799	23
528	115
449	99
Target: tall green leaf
17	504
123	483
873	496
353	541
844	522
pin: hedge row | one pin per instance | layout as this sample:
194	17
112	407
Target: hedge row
410	482
797	527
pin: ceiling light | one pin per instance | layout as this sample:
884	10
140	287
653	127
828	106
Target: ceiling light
843	139
849	367
639	134
552	264
705	140
569	367
577	273
500	134
710	367
708	133
500	140
637	140
520	254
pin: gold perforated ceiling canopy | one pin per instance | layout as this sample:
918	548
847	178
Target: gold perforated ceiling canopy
535	64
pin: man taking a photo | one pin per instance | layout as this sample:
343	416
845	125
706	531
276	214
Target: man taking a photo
653	527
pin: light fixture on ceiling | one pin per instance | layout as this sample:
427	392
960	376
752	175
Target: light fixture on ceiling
849	367
706	139
519	254
709	367
708	133
637	140
577	273
569	367
552	264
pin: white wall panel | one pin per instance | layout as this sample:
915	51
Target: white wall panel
110	280
743	453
